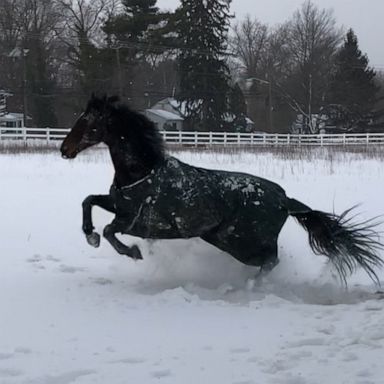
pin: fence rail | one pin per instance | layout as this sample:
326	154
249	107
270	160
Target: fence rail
211	139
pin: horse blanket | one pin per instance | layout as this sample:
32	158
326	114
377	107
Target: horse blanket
240	213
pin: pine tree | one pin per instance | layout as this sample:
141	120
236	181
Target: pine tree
353	86
133	24
134	35
237	109
202	28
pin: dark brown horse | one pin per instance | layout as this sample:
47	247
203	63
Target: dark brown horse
156	196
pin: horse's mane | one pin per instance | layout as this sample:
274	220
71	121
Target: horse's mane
139	130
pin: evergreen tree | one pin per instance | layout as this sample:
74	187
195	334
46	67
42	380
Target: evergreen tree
202	28
237	109
135	24
133	36
353	86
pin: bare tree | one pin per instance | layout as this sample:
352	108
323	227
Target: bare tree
26	26
39	20
10	33
81	38
83	18
249	43
312	40
10	27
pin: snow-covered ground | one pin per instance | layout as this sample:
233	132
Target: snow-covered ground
184	315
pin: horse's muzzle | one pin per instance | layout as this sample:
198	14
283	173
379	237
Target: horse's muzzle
66	153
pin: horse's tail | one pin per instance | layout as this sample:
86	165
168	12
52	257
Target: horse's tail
347	244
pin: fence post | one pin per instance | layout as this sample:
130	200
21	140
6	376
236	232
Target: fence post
238	139
48	134
196	139
225	139
344	140
210	139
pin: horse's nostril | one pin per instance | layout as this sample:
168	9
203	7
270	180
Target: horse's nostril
65	152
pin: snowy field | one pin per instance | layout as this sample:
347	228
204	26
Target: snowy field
184	315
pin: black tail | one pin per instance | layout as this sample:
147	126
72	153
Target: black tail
348	245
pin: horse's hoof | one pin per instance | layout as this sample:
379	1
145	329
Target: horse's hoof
93	239
135	253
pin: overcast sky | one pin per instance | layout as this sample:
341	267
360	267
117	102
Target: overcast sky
364	16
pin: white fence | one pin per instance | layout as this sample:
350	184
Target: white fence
211	139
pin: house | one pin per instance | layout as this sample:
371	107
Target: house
171	105
171	108
12	120
165	120
7	119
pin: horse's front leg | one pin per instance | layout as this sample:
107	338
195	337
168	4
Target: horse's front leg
118	226
103	201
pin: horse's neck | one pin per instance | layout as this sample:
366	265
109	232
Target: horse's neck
128	169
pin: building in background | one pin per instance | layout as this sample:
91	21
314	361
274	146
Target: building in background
170	114
9	119
165	120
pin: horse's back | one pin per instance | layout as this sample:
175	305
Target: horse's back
218	189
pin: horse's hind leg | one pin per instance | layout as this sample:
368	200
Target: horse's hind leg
109	233
266	258
269	257
250	251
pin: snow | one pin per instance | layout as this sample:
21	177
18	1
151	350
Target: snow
187	313
165	114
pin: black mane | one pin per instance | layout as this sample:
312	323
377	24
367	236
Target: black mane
142	133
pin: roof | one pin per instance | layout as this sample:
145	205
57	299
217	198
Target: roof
165	114
5	93
180	109
12	117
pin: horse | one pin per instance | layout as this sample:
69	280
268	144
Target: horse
156	196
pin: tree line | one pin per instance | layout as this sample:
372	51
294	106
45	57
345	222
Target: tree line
55	53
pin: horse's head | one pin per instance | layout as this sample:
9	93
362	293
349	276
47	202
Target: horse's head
90	127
